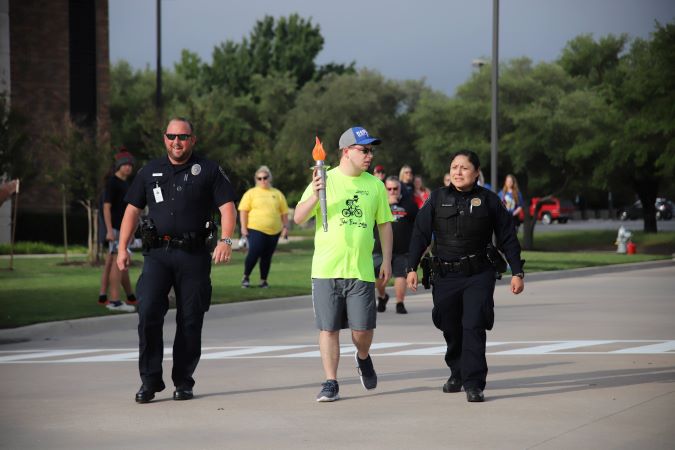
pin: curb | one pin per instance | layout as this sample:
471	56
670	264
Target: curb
51	330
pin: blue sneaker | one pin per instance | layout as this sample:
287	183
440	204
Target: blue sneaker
329	391
366	371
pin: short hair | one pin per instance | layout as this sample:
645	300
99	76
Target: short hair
183	119
392	178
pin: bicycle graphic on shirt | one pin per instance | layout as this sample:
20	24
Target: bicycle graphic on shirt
352	208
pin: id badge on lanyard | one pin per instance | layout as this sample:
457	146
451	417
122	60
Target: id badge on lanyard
157	192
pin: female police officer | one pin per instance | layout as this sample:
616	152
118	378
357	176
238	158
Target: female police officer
462	218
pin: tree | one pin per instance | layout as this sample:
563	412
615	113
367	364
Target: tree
638	87
289	45
16	158
82	175
327	107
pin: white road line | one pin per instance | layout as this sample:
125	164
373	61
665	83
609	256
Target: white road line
548	348
525	348
663	347
43	354
250	351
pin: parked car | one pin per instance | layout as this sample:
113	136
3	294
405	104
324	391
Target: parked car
552	209
664	210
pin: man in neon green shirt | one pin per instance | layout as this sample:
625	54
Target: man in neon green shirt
343	282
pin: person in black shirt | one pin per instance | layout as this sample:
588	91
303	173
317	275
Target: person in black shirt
181	191
112	211
462	218
404	210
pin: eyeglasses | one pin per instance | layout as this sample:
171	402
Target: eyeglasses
262	178
365	150
392	189
181	137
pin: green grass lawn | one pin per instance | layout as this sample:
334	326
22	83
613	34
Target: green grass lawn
43	289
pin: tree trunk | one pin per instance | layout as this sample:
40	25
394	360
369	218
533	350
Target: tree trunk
528	229
647	192
91	248
65	224
97	245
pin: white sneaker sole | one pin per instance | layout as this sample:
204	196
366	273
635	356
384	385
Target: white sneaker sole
328	399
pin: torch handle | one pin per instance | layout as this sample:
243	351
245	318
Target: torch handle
321	170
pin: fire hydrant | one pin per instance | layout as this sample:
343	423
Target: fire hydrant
622	238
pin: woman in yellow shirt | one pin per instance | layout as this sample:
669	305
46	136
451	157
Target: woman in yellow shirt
264	217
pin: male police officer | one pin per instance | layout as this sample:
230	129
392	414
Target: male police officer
181	191
462	218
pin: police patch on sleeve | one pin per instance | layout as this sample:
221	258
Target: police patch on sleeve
196	169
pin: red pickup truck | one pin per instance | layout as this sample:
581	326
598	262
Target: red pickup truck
551	209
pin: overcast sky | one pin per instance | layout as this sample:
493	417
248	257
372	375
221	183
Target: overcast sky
434	40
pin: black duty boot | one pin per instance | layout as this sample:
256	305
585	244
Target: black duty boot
474	395
452	385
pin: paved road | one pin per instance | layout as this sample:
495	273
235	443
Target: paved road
583	362
633	225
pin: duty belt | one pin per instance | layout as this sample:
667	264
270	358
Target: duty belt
469	264
182	243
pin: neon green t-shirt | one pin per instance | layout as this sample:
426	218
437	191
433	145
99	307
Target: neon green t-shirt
355	206
265	208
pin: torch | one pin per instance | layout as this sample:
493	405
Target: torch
319	155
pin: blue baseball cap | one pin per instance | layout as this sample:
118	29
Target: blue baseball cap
357	136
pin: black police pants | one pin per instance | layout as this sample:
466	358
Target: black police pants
463	310
189	274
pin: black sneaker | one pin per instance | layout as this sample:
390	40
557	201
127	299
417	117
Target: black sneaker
264	285
245	283
400	308
102	299
366	371
329	391
382	303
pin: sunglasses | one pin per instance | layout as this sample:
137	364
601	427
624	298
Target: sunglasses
365	150
181	137
392	189
261	178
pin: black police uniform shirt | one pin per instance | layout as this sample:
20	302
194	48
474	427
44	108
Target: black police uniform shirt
404	213
114	193
190	192
462	224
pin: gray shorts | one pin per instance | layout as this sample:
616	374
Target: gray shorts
341	303
399	261
114	245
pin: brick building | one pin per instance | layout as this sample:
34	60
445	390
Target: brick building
57	67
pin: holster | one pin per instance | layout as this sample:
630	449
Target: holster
497	259
149	236
427	272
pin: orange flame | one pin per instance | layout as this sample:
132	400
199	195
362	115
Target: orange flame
319	154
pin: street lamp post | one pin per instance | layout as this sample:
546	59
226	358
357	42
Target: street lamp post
495	94
158	99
